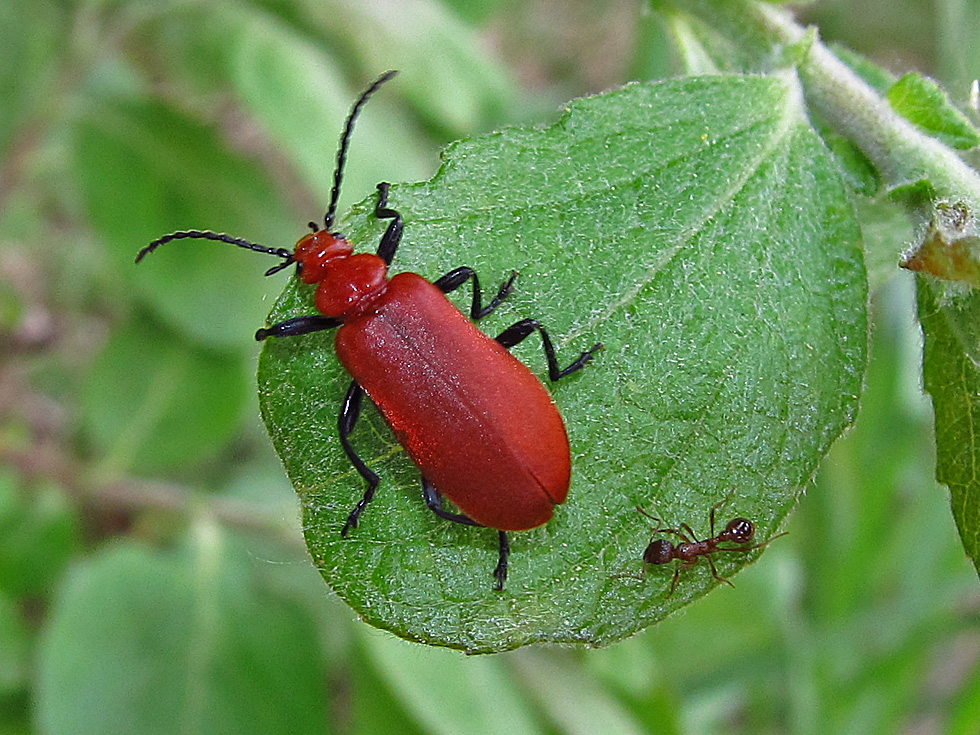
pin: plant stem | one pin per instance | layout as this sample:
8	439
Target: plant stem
903	155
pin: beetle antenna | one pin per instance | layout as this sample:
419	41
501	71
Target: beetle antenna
338	173
287	257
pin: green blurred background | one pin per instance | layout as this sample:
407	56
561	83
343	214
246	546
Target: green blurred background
152	571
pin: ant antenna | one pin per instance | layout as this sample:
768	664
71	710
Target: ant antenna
338	173
287	257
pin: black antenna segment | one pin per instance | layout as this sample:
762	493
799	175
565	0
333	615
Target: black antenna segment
338	173
286	256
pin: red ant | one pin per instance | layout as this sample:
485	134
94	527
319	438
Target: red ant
689	550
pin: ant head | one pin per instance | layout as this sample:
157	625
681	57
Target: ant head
739	530
660	551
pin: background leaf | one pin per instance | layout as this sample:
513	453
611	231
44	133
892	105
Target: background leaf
15	647
952	378
38	536
923	102
287	86
452	86
154	642
27	63
183	408
146	170
732	313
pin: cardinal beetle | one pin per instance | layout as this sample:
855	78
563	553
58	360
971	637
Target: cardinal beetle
481	427
689	550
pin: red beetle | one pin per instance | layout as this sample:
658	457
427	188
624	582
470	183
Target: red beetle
481	427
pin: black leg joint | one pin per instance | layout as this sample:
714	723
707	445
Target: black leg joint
501	571
520	331
393	235
433	499
350	412
457	277
297	326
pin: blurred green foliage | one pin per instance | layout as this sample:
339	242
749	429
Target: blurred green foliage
152	574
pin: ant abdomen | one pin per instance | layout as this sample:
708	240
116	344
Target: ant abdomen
660	551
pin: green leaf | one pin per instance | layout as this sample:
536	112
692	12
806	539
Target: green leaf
39	533
146	170
476	11
952	377
27	62
957	52
448	694
16	641
887	232
574	701
141	641
701	231
287	83
448	75
924	103
858	171
964	718
877	77
152	402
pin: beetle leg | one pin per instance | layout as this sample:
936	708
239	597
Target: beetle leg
298	325
350	411
456	278
520	331
501	571
433	499
393	235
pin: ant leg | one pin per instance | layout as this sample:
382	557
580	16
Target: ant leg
433	499
456	278
520	331
673	584
350	411
393	235
757	546
297	326
680	534
716	506
687	537
717	576
649	515
687	529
